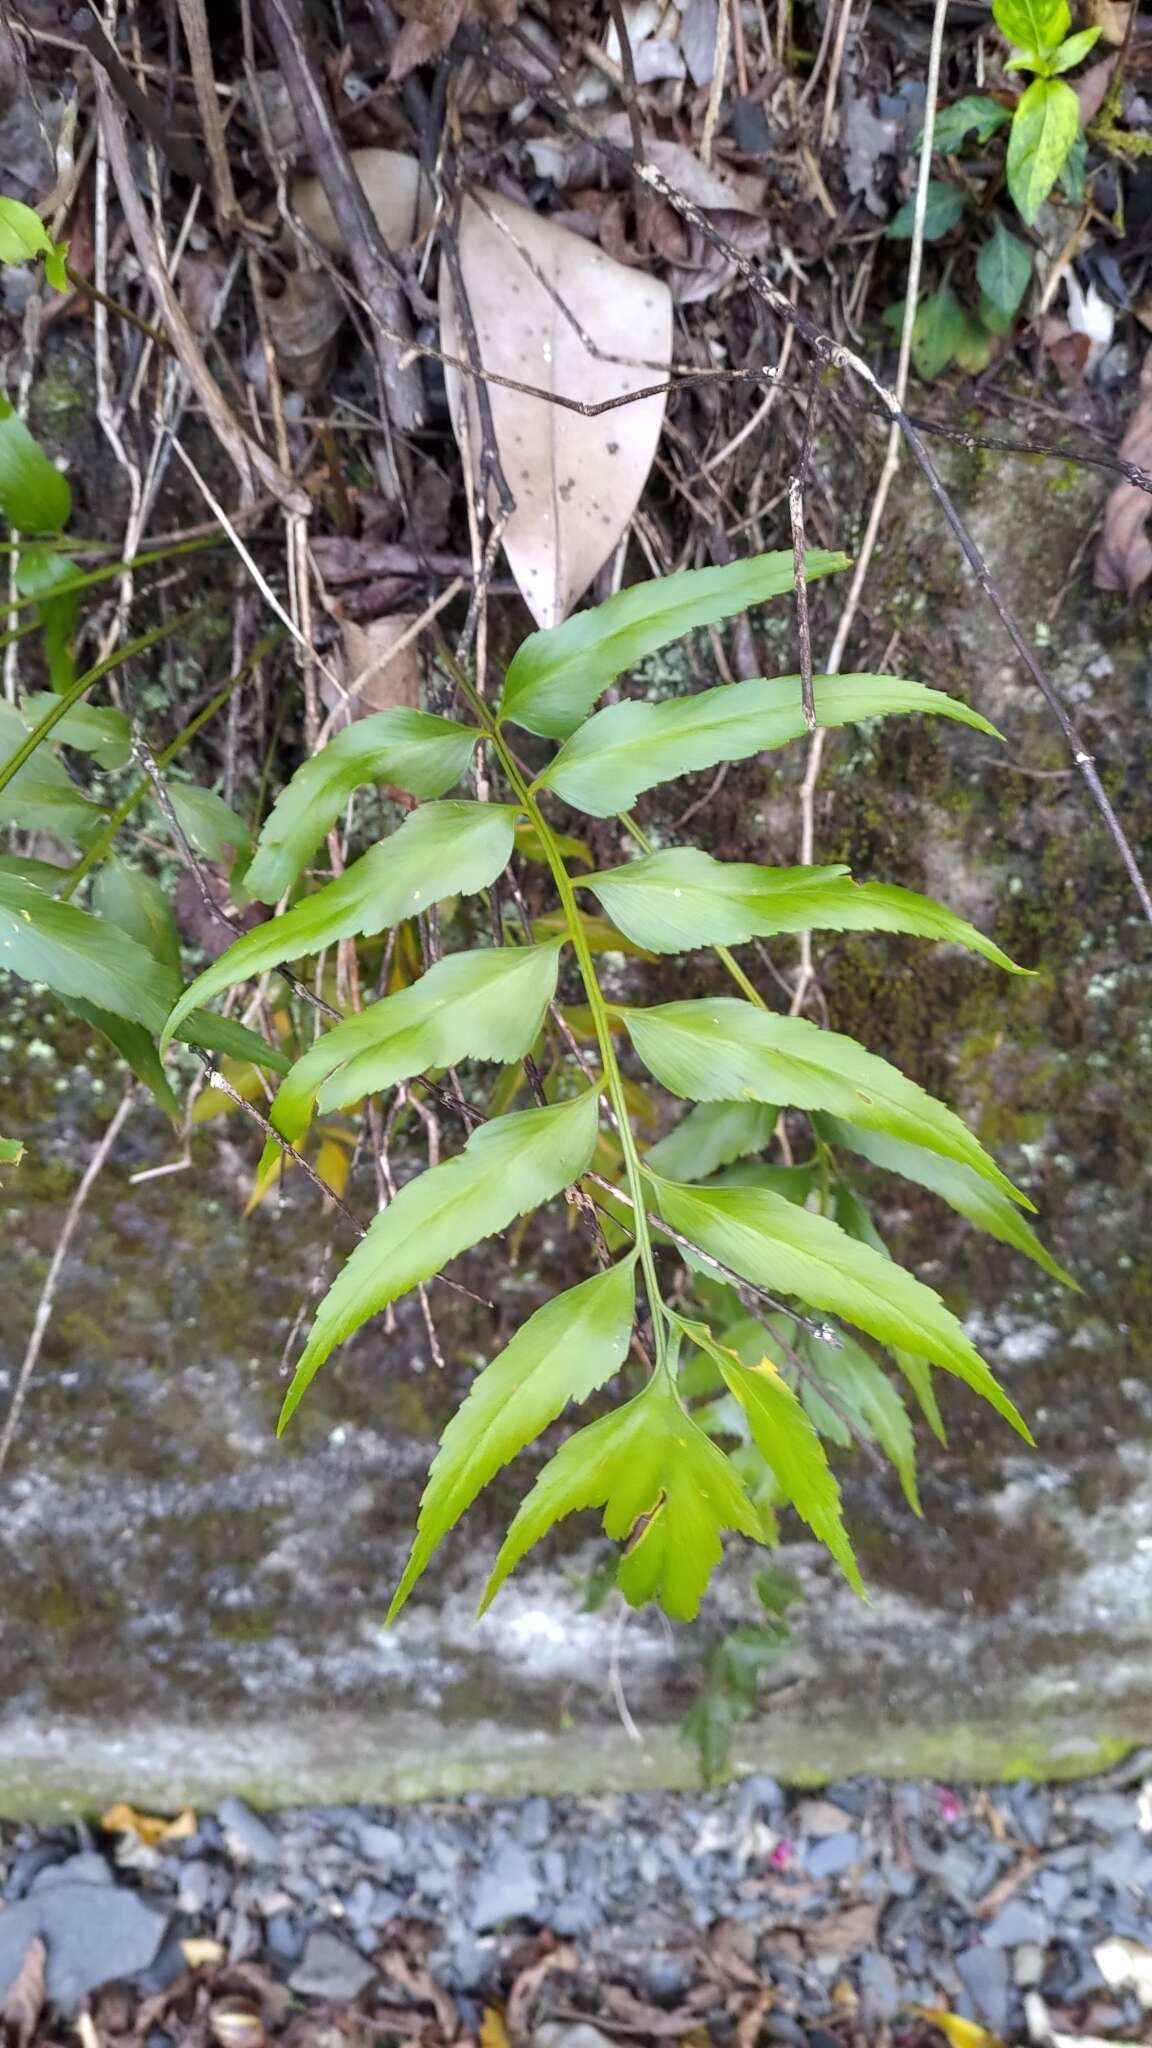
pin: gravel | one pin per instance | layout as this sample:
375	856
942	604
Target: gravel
865	1899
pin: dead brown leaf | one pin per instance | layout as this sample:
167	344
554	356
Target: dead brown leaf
1091	87
523	1993
25	1998
421	1986
397	191
378	672
305	321
752	2019
844	1934
636	2013
1124	556
429	26
576	481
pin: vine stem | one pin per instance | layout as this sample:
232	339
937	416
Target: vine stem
612	1076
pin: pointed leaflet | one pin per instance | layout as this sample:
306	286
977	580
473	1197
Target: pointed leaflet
562	1353
789	1445
89	728
136	903
441	850
1004	270
41	795
853	1217
77	954
864	1394
632	746
775	1245
486	1005
34	496
648	1458
682	898
410	749
711	1135
963	1190
722	1047
508	1167
556	676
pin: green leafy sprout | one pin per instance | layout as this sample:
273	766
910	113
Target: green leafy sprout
1045	145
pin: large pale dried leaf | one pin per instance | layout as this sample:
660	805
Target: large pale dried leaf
398	193
576	480
375	678
1124	556
1110	17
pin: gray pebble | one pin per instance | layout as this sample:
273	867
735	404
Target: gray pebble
1053	1887
835	1853
381	1845
758	1794
575	1915
472	1966
878	1985
561	2034
93	1932
1122	1864
249	1839
28	1864
554	1865
194	1887
330	1969
506	1889
84	1869
985	1976
535	1822
1110	1811
1015	1923
283	1938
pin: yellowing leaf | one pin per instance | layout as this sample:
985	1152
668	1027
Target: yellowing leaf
149	1829
493	2032
200	1951
957	2031
576	480
333	1164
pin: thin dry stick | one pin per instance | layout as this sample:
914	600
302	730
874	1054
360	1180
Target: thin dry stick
826	124
887	475
52	1281
716	89
796	484
377	272
195	24
250	459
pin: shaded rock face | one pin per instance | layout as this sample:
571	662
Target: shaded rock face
166	1565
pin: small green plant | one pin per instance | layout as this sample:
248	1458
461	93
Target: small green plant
1045	144
669	1482
731	1670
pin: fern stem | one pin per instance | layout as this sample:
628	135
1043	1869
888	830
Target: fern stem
612	1076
